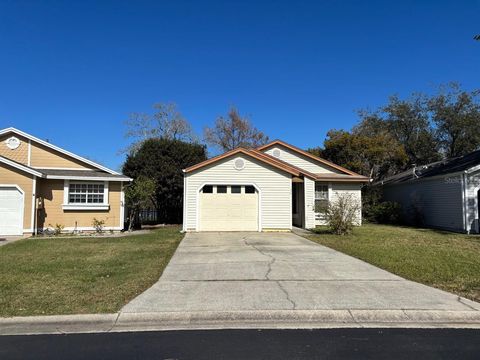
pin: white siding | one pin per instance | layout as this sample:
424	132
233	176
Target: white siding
353	191
473	185
301	161
439	201
309	186
275	190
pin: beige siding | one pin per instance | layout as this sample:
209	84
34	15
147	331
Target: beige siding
275	190
51	191
301	161
309	186
42	156
19	154
12	176
438	200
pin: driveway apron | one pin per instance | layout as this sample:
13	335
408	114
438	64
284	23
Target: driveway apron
280	271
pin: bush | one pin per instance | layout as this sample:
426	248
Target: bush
387	212
57	229
342	214
98	225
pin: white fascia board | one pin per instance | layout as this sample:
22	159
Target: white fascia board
56	148
21	167
87	178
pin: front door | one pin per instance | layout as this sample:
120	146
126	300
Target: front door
298	207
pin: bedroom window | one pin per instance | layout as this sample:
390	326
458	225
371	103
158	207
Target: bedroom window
84	193
321	197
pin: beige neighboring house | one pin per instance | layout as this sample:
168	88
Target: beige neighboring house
42	185
271	188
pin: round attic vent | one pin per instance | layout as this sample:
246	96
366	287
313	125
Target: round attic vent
276	153
239	164
12	143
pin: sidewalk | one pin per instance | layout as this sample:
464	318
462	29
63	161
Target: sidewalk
274	319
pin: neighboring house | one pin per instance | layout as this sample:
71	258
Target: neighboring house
442	195
42	185
273	187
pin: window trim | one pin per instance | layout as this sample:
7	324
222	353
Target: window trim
86	206
319	216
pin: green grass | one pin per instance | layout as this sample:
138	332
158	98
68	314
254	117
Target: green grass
81	275
441	259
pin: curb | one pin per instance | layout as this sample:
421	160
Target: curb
272	319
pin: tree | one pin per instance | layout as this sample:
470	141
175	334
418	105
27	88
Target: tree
166	122
234	131
408	122
376	156
138	194
456	114
162	160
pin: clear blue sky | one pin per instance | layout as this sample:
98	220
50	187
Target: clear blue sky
71	71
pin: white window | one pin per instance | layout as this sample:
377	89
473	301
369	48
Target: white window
85	195
321	199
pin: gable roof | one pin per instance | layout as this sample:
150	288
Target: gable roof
65	174
289	169
279	164
308	155
468	163
58	149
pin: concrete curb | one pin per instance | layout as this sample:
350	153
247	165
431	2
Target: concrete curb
274	319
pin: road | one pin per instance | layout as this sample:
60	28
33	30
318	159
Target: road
250	344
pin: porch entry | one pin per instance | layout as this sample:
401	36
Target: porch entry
298	204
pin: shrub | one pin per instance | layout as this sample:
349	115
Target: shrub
98	225
387	212
342	214
57	229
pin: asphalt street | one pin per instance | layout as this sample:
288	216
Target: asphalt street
250	344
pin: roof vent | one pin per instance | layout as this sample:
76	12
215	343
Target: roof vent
276	153
239	164
12	143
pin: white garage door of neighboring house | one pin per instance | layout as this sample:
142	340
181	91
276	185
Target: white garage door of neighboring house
11	211
228	208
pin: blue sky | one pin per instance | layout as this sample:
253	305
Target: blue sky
71	71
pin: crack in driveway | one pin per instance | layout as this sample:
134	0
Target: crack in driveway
269	270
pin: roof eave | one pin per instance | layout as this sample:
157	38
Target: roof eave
56	148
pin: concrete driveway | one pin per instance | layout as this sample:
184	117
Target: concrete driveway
280	271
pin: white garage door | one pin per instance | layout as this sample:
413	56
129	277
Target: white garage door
11	211
228	208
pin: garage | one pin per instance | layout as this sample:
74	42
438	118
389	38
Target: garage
228	208
11	210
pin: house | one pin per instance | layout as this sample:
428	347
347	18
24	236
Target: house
442	194
42	185
271	188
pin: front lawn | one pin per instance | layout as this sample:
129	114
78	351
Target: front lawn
441	259
81	275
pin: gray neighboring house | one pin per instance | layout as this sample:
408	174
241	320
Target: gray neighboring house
441	195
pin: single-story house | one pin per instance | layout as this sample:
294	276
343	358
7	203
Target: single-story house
442	194
271	188
42	185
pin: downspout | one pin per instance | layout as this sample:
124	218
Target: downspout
184	222
466	224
